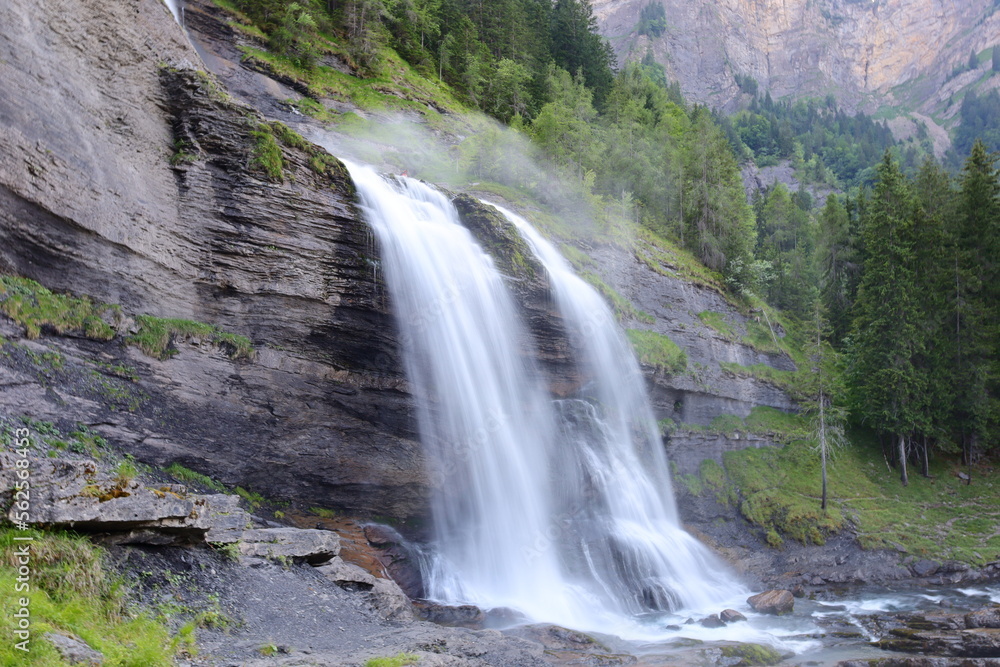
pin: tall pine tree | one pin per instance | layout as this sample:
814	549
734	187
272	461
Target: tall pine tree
976	306
888	387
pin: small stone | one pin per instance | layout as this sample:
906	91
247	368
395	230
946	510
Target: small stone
731	616
924	568
775	602
74	650
712	621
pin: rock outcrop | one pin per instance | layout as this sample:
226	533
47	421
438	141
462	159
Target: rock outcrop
128	176
775	602
869	53
939	634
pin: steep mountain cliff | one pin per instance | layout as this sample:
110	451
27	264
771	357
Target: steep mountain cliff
870	54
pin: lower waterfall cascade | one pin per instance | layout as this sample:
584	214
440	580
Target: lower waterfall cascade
558	509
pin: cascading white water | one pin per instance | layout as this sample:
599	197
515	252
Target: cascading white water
634	543
484	422
559	509
175	8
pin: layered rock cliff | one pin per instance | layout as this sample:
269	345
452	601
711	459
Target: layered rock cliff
127	176
868	53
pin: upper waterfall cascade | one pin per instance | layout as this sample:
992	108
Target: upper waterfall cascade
176	9
558	509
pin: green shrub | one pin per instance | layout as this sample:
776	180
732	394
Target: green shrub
34	307
73	593
657	350
397	660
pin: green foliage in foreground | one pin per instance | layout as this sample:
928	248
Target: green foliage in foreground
778	489
71	592
397	660
34	307
657	350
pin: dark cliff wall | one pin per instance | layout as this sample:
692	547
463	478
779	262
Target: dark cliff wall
97	97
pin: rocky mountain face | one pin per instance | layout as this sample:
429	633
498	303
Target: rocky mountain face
868	53
125	175
129	174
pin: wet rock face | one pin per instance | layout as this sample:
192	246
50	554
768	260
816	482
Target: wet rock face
550	344
973	635
703	391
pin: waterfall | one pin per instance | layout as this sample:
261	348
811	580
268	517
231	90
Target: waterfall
635	544
558	509
176	9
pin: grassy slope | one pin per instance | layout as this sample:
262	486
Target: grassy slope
938	517
73	593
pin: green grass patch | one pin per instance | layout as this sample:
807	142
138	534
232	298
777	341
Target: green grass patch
939	517
188	476
727	424
397	660
622	307
779	491
718	323
265	156
395	86
657	350
35	307
668	259
71	592
156	337
253	500
766	420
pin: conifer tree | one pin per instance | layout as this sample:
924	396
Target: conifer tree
823	389
888	389
578	47
837	267
976	306
719	222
